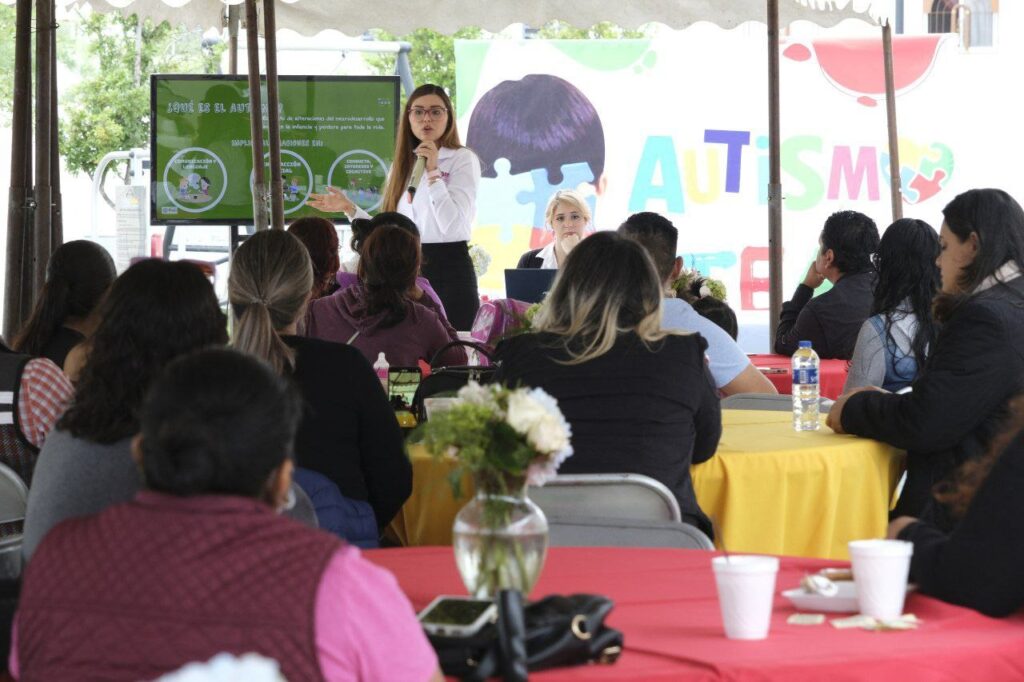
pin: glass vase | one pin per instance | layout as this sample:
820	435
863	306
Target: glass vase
500	539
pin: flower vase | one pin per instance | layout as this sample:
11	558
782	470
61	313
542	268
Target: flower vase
500	539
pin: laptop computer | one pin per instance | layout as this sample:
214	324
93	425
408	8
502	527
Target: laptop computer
528	284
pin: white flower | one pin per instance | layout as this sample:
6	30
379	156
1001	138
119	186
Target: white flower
476	394
524	411
480	258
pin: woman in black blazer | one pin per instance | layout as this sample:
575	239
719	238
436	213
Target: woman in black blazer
977	364
569	216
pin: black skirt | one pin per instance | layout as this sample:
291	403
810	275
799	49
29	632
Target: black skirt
449	269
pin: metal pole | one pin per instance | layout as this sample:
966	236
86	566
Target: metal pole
774	176
273	115
233	39
19	204
56	212
41	248
260	210
890	117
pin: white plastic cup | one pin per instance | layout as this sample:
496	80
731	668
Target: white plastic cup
437	405
880	571
746	589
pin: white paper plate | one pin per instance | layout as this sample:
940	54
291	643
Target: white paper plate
845	601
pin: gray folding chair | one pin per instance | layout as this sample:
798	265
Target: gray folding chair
619	496
13	502
604	532
300	507
758	401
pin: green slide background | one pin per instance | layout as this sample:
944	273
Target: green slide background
347	123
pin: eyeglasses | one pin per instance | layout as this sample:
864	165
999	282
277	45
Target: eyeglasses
435	113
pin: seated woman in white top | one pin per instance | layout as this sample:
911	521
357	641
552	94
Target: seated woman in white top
569	217
893	342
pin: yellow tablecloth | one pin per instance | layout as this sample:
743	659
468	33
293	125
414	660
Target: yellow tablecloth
770	489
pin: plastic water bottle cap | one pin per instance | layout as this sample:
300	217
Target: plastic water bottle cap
805	344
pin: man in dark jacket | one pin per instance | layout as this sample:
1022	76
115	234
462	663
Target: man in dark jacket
831	321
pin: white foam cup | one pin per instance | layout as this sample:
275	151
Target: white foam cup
746	589
437	405
880	570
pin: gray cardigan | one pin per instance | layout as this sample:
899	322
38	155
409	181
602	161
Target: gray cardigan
76	477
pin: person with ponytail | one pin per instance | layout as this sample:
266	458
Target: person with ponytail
376	314
348	432
154	312
77	276
444	202
201	561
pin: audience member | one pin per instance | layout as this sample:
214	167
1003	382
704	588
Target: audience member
348	431
977	363
639	398
978	564
198	563
376	316
894	341
831	321
154	312
33	394
568	216
730	367
361	229
320	238
77	276
719	312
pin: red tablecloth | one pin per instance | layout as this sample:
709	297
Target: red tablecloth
667	607
832	374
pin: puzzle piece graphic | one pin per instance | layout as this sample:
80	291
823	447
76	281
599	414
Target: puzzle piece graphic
573	175
928	187
907	174
940	158
496	201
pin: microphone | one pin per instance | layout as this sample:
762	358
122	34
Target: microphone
417	175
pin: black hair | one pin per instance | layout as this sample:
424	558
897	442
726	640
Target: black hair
77	276
998	221
907	281
154	312
853	237
217	421
657	235
539	121
362	227
720	313
387	269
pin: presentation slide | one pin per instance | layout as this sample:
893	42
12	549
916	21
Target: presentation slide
335	130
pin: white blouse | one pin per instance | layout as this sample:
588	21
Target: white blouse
444	211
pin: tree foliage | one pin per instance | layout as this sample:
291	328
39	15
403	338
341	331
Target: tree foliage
6	62
432	59
109	109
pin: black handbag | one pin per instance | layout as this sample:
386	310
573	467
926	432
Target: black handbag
555	631
447	380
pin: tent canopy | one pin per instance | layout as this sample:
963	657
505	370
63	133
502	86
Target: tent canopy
309	17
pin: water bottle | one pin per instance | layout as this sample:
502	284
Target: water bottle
805	388
381	368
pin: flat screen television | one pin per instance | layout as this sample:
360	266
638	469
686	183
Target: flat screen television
335	130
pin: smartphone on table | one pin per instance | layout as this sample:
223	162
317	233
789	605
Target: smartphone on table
457	616
402	385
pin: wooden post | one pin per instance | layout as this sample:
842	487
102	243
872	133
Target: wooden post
19	203
260	213
774	176
273	115
56	204
41	246
895	191
233	39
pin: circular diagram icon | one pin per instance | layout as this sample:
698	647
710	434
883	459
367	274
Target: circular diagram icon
296	188
195	179
362	174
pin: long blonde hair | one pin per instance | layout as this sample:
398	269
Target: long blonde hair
608	286
270	282
406	142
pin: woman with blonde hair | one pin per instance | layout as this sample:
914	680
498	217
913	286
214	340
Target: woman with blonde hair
442	203
568	216
348	431
639	398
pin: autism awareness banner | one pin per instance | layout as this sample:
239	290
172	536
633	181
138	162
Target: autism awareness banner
678	125
334	131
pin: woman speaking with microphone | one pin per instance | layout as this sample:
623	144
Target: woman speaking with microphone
433	181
